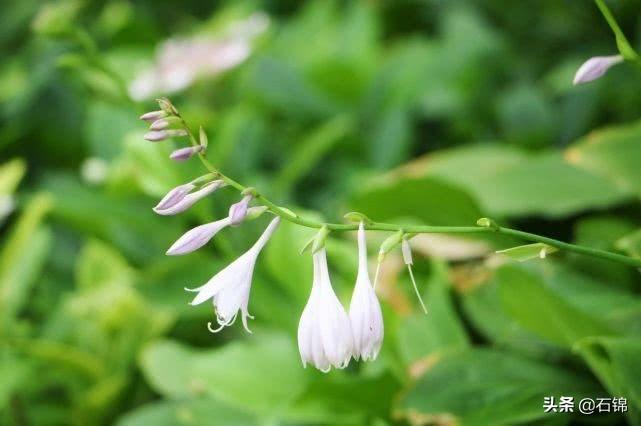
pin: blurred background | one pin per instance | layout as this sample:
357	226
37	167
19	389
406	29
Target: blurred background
415	111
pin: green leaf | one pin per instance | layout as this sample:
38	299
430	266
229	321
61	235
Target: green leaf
488	387
510	182
430	200
528	251
613	153
23	255
616	362
241	373
205	411
536	308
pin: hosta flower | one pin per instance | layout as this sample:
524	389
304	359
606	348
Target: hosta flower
238	211
364	309
181	62
179	202
197	237
324	332
595	67
161	135
186	153
174	196
229	289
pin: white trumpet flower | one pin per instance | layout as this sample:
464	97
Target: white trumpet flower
364	309
177	201
229	289
324	331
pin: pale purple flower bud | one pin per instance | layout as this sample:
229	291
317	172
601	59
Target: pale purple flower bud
161	135
174	196
153	115
595	67
188	200
167	122
160	124
238	211
197	237
186	153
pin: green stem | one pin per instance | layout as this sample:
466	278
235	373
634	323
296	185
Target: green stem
411	229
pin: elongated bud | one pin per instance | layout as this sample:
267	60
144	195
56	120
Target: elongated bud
153	116
161	135
166	123
238	211
175	196
203	137
407	252
188	200
595	67
389	244
319	239
186	153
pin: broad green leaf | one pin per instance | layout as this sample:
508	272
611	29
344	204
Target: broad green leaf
616	362
613	153
23	254
430	200
203	411
510	182
421	335
344	399
536	308
482	306
488	387
528	251
241	373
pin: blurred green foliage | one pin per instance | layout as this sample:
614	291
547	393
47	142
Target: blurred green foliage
416	111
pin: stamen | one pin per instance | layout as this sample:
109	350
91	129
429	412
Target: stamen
409	267
378	268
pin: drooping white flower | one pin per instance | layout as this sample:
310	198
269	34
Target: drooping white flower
169	206
229	289
324	331
364	310
595	67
